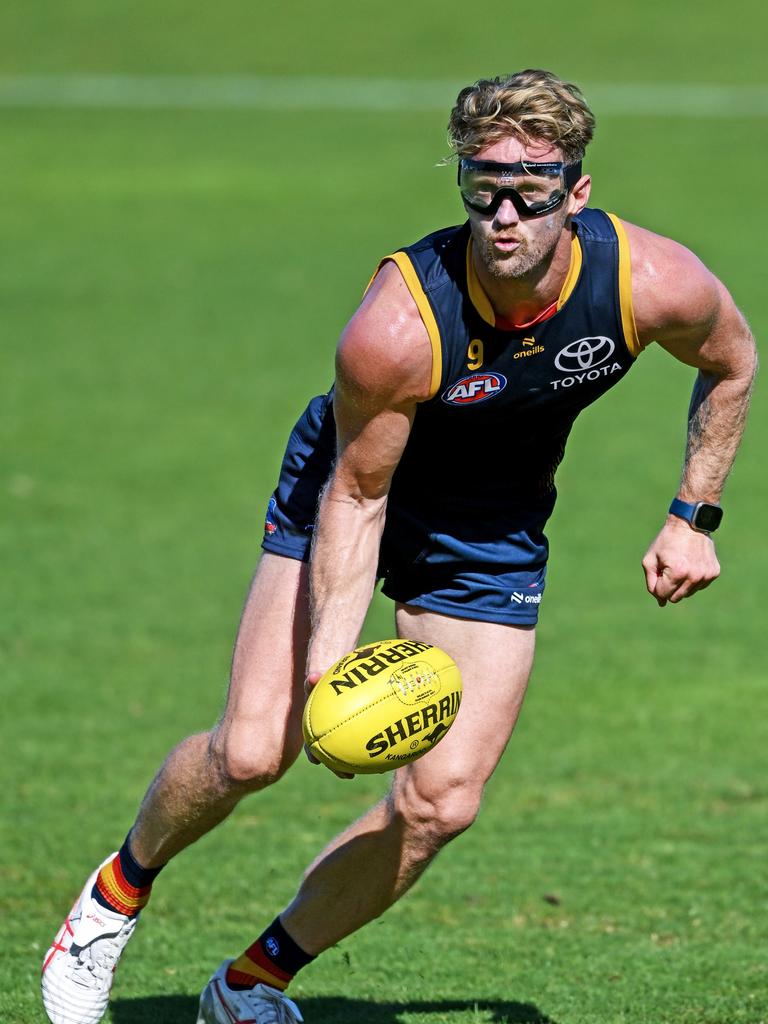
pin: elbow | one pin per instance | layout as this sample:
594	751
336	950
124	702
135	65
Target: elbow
367	497
746	371
365	489
754	364
749	362
741	369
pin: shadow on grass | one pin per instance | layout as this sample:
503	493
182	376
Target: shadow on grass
337	1010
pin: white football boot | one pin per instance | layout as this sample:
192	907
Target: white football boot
219	1004
78	969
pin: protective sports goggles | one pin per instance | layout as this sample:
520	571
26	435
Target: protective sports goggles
533	188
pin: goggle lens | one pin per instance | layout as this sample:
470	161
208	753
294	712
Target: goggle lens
533	188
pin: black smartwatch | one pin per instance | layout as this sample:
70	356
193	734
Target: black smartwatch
702	516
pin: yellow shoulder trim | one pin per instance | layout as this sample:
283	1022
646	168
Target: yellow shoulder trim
477	296
625	289
372	278
411	279
574	270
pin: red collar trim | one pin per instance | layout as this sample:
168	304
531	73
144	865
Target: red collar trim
545	314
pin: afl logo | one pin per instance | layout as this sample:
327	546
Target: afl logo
475	388
584	354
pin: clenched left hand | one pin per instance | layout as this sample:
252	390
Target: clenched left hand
679	562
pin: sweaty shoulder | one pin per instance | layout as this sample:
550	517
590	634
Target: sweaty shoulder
673	292
385	351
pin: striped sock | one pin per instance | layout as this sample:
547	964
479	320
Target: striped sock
273	959
123	885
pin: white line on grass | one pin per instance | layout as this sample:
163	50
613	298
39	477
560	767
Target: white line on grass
222	92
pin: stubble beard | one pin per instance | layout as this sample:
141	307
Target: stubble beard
529	259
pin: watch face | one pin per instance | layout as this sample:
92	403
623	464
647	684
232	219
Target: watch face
707	517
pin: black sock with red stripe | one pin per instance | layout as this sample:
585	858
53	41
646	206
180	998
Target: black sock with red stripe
273	959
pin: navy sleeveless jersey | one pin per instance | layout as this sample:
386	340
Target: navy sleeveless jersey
475	484
481	458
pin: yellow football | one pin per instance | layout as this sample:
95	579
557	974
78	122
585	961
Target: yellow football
382	706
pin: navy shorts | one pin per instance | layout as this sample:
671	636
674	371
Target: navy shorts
494	581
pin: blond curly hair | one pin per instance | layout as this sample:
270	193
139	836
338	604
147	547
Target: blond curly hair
531	104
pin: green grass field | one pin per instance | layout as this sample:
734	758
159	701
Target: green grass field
165	319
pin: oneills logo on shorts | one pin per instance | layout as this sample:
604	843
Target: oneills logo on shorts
477	387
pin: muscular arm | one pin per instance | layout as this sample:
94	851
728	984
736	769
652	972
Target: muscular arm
682	306
383	369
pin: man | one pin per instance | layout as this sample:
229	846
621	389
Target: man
458	380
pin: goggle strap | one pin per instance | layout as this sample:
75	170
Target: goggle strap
572	174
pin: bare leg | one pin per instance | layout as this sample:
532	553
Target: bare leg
370	865
259	735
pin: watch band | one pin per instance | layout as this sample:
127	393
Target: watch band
702	516
683	509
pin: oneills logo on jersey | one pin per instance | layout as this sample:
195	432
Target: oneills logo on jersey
477	387
530	348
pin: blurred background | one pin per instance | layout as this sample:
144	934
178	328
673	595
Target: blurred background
193	198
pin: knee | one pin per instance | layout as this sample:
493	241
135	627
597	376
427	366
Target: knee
246	758
434	816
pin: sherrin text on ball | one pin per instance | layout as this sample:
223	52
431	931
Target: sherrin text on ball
381	706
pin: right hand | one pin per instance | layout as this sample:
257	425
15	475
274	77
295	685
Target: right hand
313	678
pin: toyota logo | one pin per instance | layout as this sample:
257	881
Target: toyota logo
584	354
